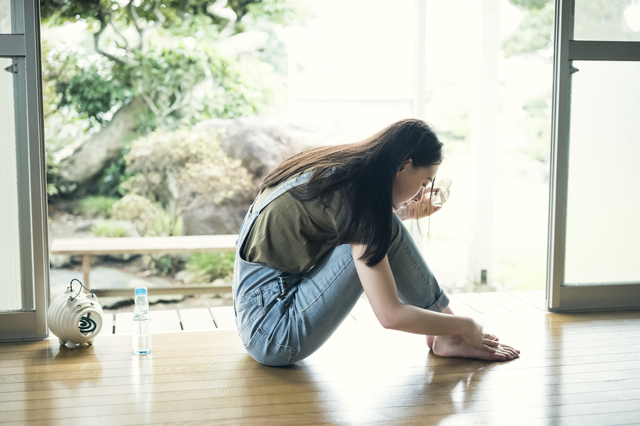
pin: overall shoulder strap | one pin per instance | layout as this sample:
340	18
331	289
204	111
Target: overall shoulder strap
284	187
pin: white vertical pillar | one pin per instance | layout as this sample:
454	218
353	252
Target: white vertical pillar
292	72
419	82
483	143
420	60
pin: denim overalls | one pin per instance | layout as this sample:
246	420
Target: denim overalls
283	318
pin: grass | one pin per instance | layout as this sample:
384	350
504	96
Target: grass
208	267
108	229
95	206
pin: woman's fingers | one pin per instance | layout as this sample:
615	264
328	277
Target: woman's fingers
510	353
511	348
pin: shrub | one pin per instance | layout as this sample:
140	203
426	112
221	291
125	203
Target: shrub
185	169
163	265
96	206
109	229
208	267
149	218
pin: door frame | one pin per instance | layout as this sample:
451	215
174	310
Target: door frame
31	322
560	296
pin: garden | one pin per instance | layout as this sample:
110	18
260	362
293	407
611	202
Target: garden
162	118
144	103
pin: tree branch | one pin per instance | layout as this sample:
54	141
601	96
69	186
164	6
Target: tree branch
220	10
134	18
185	10
158	14
96	41
126	42
179	103
148	100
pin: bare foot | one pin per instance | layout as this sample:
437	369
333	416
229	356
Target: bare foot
430	341
431	338
456	346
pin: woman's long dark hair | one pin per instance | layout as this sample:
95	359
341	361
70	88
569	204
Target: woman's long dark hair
364	173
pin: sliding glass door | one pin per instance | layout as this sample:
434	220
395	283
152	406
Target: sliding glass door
594	240
23	242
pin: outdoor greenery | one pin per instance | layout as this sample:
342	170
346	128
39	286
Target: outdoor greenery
109	229
170	54
96	206
207	267
596	19
183	170
128	89
141	73
149	218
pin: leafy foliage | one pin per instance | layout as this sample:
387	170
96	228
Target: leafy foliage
150	219
93	90
185	169
536	126
113	177
594	20
208	267
163	265
109	229
96	206
163	51
535	32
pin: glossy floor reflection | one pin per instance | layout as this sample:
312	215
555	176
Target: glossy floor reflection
578	369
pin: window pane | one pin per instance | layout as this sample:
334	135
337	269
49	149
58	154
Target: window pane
10	284
603	231
11	19
350	81
607	20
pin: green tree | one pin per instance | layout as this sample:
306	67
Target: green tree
148	64
594	20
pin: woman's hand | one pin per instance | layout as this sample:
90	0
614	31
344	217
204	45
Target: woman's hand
479	340
418	209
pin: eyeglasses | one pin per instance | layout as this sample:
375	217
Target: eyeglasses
441	191
439	188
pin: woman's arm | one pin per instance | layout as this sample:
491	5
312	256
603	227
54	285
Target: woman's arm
380	288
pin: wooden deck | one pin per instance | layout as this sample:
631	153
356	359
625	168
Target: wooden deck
201	319
578	369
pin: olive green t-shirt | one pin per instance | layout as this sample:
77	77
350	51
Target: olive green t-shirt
291	235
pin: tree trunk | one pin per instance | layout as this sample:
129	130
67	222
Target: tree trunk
87	163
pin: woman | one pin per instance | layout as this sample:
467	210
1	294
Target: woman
323	229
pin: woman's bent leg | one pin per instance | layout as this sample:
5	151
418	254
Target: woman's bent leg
417	286
415	282
326	295
324	298
298	313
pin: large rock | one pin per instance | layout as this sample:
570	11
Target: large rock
261	144
214	219
82	168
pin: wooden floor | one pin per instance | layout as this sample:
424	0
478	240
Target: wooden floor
579	369
167	320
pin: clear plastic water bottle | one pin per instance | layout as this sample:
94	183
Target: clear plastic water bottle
141	330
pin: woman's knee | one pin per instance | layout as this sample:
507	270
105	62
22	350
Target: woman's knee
397	227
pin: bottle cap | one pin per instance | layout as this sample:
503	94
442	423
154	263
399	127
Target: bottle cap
141	291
